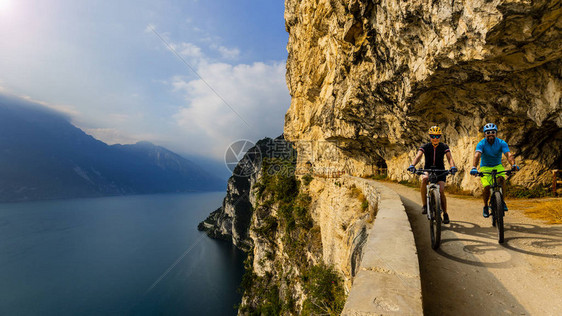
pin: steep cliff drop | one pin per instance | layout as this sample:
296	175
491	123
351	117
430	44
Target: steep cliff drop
231	221
303	235
368	78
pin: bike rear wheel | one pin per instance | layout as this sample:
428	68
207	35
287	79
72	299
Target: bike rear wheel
497	209
435	222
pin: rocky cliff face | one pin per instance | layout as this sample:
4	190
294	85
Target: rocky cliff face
368	78
231	221
299	232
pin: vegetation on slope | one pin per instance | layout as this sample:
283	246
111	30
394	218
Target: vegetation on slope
284	223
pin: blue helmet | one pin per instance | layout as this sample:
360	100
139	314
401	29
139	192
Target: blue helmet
490	127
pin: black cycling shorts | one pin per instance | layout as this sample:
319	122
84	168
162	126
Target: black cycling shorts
439	178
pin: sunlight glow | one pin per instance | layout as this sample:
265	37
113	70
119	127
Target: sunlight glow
4	5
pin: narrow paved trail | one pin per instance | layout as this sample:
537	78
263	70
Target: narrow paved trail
471	274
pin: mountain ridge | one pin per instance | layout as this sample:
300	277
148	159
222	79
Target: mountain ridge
44	156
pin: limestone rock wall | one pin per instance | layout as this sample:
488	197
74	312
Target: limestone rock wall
231	221
343	221
368	78
340	213
339	232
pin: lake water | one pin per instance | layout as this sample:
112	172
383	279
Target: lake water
132	255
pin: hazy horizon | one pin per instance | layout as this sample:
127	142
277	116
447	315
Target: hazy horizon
216	167
109	68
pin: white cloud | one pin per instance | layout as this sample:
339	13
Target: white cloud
67	110
112	136
229	53
202	123
187	50
227	102
119	117
149	28
257	92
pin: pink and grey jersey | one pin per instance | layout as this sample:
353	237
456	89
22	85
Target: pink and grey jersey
434	156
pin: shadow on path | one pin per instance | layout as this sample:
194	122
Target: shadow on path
523	238
454	279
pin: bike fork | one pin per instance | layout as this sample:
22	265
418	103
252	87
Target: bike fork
429	188
427	205
502	201
438	200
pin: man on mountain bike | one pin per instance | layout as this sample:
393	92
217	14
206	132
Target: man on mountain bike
434	153
490	149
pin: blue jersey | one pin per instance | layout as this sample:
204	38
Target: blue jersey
492	154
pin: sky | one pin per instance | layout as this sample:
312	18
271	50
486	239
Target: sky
111	66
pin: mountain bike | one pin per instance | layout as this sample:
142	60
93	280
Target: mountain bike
496	201
433	203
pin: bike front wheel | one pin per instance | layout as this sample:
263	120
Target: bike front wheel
497	209
435	222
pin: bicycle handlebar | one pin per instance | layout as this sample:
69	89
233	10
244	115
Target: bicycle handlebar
507	172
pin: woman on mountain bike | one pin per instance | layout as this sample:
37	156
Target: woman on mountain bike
490	149
434	153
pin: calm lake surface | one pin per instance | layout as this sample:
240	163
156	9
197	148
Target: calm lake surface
116	256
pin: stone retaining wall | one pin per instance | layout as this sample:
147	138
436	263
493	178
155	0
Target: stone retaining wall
388	278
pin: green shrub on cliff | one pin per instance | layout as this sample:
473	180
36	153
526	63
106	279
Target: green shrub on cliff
265	289
306	179
518	191
278	181
268	228
284	212
324	289
270	304
364	205
266	292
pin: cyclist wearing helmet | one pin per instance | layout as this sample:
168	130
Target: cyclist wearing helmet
434	153
490	149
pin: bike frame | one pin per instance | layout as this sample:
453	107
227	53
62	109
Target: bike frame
497	214
495	187
432	185
433	190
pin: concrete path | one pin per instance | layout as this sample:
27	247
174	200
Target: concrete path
471	274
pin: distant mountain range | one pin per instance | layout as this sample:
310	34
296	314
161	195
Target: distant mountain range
43	156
